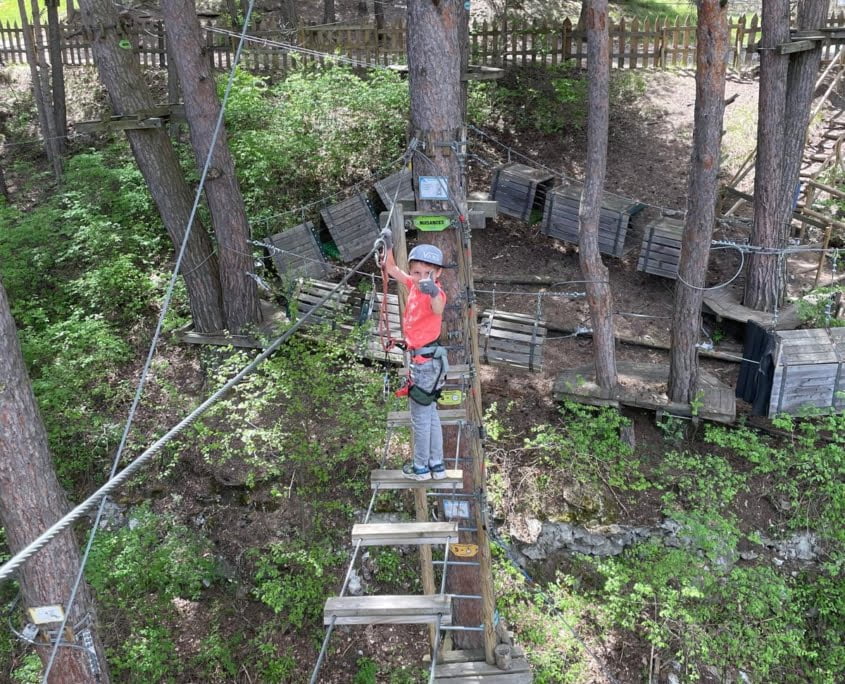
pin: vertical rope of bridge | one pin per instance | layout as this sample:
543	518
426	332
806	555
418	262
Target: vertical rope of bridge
154	344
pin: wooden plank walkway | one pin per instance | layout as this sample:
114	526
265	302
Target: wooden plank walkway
644	385
466	667
725	303
274	320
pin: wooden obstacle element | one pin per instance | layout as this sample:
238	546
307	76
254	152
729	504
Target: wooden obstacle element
371	346
458	669
352	225
809	370
644	385
725	303
447	417
520	190
382	610
387	189
273	320
561	221
512	339
660	253
404	534
298	254
336	311
394	479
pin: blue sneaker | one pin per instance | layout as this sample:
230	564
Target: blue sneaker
438	472
413	473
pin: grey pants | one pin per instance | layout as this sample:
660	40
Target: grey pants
425	421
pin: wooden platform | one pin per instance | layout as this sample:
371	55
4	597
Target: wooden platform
561	221
382	610
644	385
394	479
402	534
725	303
447	417
299	255
386	188
352	225
468	667
274	320
520	190
660	252
511	339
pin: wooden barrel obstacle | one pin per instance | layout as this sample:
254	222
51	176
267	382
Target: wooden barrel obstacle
520	190
660	253
512	339
352	225
296	253
809	370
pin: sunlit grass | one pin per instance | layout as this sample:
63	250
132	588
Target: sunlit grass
652	8
9	12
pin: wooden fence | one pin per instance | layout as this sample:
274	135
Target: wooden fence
634	44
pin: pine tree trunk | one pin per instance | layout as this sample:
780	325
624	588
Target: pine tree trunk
329	12
57	73
45	122
595	272
378	13
801	78
764	282
222	192
121	75
31	500
711	60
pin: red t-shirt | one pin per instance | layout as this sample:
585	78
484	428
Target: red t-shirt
420	324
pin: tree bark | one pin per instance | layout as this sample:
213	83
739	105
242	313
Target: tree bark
329	16
764	281
31	500
45	121
711	60
378	13
290	14
222	192
57	73
595	273
157	161
434	71
801	78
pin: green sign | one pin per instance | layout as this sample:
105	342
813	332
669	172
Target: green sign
432	223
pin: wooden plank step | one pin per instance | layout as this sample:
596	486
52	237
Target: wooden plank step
447	417
394	479
448	672
502	678
383	534
470	654
382	610
458	371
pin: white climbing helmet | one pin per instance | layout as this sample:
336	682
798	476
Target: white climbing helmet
427	253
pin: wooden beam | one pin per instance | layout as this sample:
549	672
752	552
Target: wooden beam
796	215
795	46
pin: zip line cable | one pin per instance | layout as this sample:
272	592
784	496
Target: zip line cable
154	343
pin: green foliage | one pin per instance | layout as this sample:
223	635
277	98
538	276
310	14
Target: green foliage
395	571
701	481
705	612
587	447
152	557
313	133
367	671
295	580
148	655
29	671
815	307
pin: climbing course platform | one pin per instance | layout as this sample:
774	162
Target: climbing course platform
297	254
447	417
644	385
336	311
520	190
660	253
511	339
405	534
560	218
352	225
468	667
394	479
273	322
726	303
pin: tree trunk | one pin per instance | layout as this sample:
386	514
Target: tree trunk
329	16
363	11
45	121
434	71
57	73
378	13
222	192
764	282
31	500
582	16
290	15
157	161
801	78
595	272
711	59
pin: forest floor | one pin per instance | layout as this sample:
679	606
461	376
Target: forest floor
648	160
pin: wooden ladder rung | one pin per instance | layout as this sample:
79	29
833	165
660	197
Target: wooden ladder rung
394	479
381	534
380	610
458	371
447	417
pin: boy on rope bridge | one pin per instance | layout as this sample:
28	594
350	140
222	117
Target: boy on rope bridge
421	327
